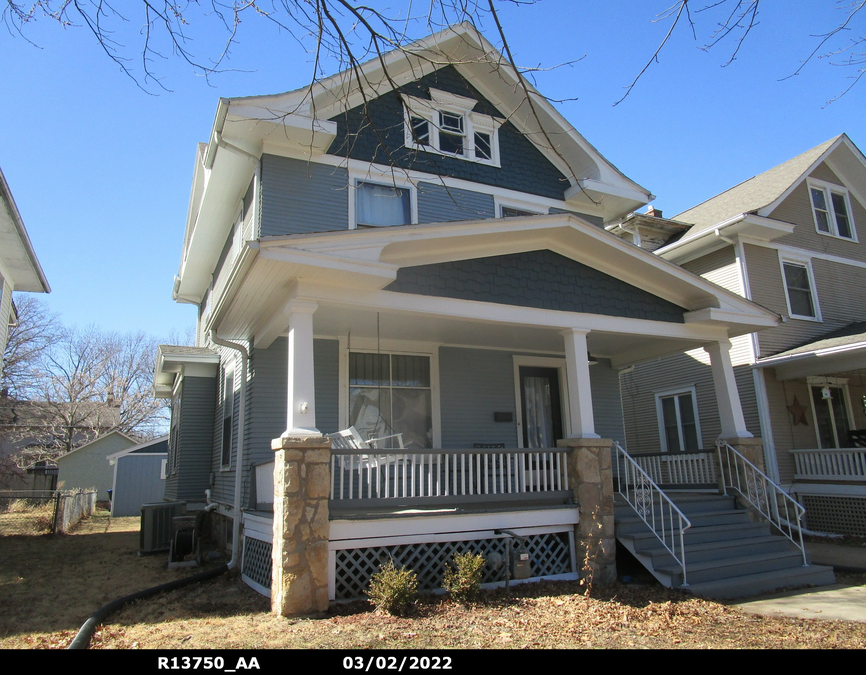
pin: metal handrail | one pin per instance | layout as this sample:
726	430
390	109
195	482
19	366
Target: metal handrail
652	505
736	470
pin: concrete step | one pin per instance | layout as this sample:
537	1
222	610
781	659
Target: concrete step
731	566
763	582
714	550
634	524
646	539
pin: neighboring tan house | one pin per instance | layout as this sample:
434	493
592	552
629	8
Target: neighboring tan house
139	476
19	268
793	240
87	466
424	258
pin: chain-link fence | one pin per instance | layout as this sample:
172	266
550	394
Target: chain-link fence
31	512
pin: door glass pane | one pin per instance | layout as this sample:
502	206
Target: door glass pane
837	403
831	420
538	413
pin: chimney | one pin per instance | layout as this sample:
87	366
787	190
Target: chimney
653	211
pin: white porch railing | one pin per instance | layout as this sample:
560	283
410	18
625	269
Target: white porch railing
847	464
783	511
654	507
448	476
681	469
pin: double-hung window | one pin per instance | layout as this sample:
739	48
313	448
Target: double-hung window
378	205
446	124
831	209
228	417
678	421
391	394
799	290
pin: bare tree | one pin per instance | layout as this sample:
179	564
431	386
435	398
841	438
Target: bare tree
35	329
87	383
349	32
841	41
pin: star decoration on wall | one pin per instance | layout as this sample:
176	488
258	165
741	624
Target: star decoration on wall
798	412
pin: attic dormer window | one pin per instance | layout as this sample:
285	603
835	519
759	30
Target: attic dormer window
831	209
445	124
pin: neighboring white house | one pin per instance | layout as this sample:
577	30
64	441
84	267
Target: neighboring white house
19	268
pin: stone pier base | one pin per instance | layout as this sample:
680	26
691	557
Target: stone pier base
591	479
302	485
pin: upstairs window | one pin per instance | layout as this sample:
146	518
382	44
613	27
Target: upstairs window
831	209
382	205
799	291
446	124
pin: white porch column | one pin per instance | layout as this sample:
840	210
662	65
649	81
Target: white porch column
579	389
301	416
727	395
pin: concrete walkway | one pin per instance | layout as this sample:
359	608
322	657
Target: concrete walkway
839	602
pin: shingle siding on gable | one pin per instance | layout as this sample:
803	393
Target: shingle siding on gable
377	136
542	279
300	197
439	204
797	208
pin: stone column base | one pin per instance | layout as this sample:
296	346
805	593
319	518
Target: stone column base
302	486
591	478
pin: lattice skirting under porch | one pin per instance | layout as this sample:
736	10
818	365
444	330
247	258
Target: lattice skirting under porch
837	514
257	564
551	554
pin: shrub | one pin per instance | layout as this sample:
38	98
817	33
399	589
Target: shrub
462	577
393	590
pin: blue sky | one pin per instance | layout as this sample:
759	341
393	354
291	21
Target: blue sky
101	171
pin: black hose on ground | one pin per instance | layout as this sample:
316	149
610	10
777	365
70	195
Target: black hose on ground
82	639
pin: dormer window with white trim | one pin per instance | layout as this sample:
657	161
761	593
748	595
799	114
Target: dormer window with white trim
446	125
831	209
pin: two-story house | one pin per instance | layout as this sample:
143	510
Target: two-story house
792	240
420	255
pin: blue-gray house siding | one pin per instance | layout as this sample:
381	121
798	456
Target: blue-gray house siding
195	436
374	133
541	279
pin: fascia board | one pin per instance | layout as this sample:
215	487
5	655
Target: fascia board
712	238
740	323
17	249
126	451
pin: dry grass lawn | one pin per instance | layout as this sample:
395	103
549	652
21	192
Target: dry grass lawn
51	585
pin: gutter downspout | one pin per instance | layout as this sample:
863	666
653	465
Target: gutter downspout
236	526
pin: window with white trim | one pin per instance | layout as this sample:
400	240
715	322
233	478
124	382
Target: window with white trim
379	205
445	124
831	209
678	421
391	394
800	290
228	417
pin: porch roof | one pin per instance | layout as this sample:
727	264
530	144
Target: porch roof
841	350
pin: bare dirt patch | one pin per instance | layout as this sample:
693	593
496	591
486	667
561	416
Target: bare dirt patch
51	585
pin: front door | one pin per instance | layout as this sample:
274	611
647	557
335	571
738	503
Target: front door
540	406
831	420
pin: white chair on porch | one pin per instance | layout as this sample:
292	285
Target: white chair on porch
351	439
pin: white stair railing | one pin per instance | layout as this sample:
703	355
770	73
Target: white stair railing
652	505
782	511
